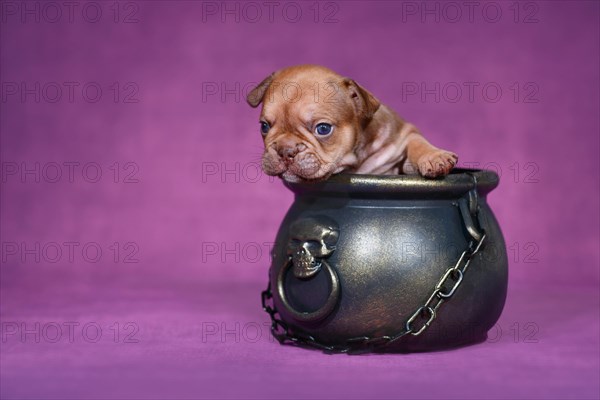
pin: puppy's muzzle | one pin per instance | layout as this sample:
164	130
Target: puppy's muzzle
287	152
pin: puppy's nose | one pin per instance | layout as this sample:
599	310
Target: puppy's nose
290	151
287	152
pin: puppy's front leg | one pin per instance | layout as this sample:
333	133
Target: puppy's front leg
427	159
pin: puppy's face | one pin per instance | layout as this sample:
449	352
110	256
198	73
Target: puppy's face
311	122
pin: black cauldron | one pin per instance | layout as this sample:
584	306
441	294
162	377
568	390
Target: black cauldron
366	263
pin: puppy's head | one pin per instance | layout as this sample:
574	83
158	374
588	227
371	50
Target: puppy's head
311	121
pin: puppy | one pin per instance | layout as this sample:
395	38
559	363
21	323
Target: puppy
316	123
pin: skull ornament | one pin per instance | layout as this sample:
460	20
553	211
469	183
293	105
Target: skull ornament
311	240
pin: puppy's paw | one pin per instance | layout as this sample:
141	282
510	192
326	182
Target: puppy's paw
437	163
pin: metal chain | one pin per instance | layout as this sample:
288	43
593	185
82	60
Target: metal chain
426	314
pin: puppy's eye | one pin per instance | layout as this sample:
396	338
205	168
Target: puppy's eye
264	127
323	129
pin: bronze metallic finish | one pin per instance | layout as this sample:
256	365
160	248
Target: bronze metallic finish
371	249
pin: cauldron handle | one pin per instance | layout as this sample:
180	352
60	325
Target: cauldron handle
469	208
322	312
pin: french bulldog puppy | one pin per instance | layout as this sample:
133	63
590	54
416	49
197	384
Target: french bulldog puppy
316	123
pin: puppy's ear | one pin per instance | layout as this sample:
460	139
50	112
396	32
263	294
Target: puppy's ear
366	104
256	95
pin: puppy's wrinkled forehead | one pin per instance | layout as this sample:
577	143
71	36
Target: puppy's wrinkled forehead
306	96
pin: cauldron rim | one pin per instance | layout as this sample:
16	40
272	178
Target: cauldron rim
455	184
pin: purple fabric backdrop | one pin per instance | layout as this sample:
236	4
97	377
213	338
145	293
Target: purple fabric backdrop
136	227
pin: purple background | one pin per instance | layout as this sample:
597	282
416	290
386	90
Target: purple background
200	221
